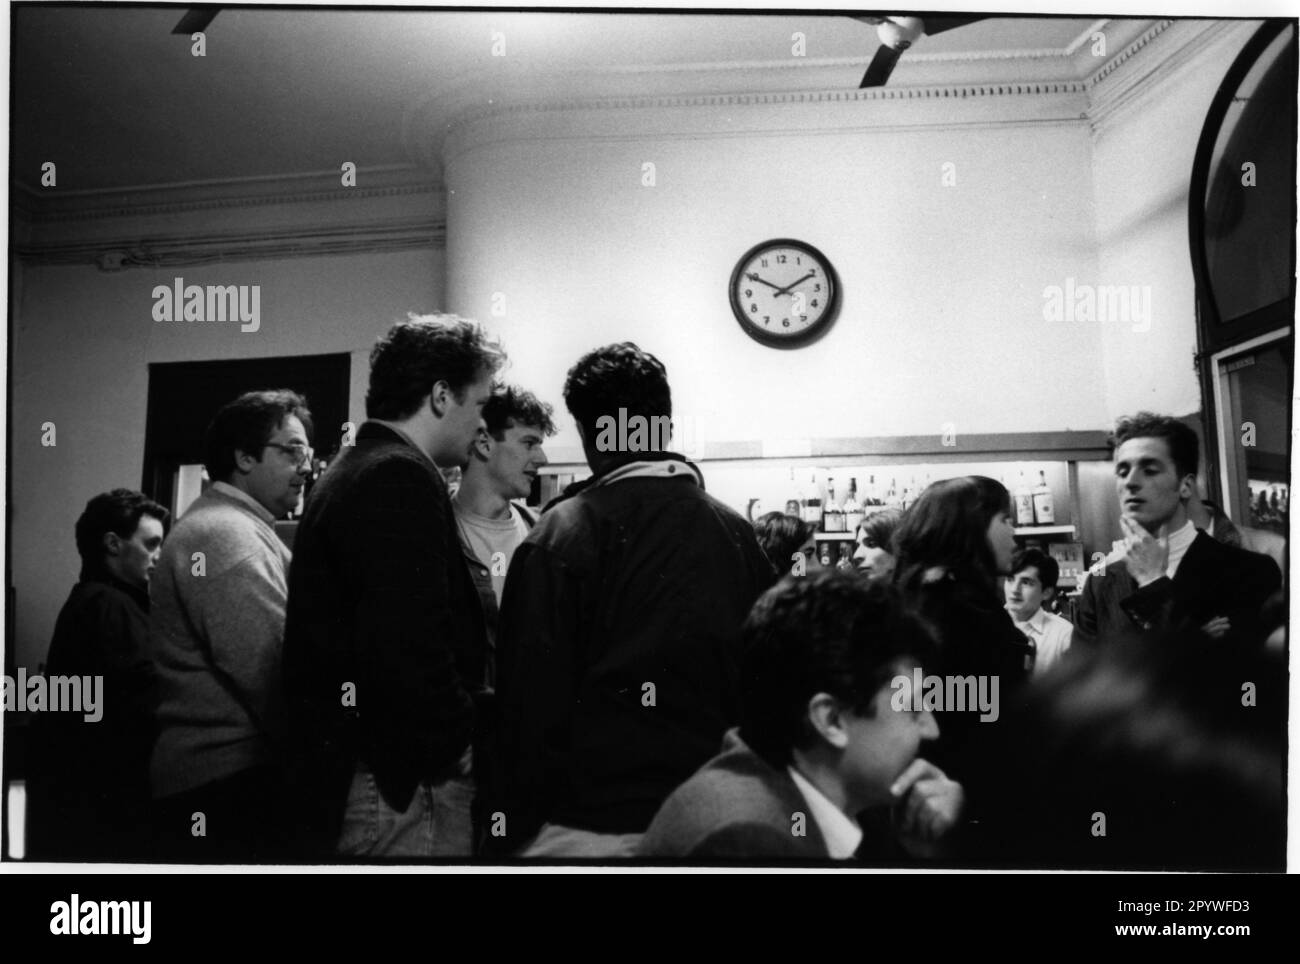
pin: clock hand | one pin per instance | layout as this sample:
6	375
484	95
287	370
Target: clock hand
786	289
754	277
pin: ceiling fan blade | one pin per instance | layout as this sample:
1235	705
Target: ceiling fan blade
882	65
196	20
934	25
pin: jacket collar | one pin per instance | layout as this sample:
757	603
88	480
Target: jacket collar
642	465
387	432
101	575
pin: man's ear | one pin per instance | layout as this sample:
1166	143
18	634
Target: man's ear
826	718
440	398
1187	488
112	543
244	462
482	444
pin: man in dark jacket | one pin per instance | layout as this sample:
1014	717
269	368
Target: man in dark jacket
1165	574
618	656
384	642
89	791
824	740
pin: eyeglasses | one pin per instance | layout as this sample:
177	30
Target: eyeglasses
301	454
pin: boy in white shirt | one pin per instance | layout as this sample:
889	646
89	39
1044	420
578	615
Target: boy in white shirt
1033	582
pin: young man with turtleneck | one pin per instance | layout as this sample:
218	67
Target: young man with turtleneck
88	790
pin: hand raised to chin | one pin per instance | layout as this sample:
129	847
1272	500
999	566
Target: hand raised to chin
1146	556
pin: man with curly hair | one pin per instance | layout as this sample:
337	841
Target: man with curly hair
384	645
619	651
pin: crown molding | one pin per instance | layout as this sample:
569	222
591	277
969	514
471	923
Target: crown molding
1152	61
804	112
53	206
166	251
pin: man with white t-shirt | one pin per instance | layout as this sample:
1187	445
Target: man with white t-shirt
1165	573
503	464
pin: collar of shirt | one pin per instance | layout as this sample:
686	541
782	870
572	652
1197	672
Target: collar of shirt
1037	623
840	831
239	495
1179	543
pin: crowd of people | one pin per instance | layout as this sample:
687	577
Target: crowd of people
635	671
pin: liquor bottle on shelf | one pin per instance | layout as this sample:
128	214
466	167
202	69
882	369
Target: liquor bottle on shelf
873	493
1023	500
1044	511
794	504
891	497
845	562
833	515
852	508
812	506
824	554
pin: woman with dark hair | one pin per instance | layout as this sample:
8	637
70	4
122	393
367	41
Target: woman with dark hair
782	537
875	553
954	543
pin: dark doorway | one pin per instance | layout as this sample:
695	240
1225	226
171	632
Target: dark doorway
183	397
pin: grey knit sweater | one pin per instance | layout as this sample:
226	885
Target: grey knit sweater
215	636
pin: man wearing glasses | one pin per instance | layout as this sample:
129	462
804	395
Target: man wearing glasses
218	605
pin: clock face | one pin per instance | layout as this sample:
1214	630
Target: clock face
784	293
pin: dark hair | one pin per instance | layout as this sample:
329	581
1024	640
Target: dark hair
1049	570
880	527
1184	447
948	526
780	536
118	511
614	377
509	405
416	354
827	632
246	425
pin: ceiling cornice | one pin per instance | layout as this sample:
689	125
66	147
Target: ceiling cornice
1165	50
150	200
1062	85
166	251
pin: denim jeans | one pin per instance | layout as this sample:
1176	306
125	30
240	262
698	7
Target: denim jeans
435	824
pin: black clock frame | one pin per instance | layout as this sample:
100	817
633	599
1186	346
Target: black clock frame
761	334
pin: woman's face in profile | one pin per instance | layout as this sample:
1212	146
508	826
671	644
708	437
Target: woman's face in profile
871	559
1002	541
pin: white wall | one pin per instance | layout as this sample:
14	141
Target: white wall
1142	168
941	317
81	342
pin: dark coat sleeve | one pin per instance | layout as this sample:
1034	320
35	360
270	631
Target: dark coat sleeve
1087	614
541	634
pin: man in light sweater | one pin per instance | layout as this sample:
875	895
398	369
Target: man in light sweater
218	605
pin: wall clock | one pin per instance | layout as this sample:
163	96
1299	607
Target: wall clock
784	293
